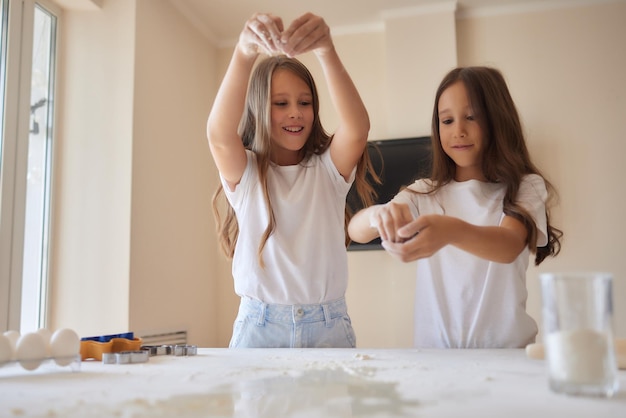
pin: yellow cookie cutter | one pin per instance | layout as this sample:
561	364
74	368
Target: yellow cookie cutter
94	349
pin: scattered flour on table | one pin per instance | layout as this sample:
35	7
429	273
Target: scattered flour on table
314	393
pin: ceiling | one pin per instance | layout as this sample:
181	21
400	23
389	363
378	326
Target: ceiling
222	20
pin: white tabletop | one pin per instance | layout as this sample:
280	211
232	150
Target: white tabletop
301	383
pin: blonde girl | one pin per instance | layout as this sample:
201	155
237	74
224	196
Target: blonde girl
286	182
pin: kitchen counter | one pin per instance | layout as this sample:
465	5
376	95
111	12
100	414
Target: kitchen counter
301	383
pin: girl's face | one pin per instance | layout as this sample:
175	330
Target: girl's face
460	133
291	115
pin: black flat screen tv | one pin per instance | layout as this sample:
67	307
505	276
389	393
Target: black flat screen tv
399	162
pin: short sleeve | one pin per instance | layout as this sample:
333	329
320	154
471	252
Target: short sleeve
239	194
342	185
410	196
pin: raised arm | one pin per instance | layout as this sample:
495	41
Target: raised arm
311	33
261	34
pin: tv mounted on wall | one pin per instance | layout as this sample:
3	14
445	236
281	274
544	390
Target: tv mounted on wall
399	162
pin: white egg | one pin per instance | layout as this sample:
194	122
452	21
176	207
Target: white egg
30	350
6	350
13	336
45	334
64	346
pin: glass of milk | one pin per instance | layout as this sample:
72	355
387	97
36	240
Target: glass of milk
578	333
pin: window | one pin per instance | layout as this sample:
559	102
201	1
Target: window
3	55
27	86
34	270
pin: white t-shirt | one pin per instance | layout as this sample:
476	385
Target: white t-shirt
305	258
463	301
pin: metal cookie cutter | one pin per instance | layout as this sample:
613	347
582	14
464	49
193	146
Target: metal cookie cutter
158	350
125	357
185	350
176	350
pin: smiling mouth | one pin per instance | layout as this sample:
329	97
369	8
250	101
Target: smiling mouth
293	129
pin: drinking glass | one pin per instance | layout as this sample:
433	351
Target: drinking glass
578	333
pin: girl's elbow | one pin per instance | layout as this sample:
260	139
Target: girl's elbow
354	234
360	235
360	128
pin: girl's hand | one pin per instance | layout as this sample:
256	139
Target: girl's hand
307	33
389	218
261	34
422	238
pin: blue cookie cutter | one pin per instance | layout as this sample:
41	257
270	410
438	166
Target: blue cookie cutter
107	338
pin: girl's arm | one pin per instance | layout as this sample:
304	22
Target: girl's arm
260	34
360	229
430	233
382	221
311	33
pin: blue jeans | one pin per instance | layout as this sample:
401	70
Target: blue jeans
262	325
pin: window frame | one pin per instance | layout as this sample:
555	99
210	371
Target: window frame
14	164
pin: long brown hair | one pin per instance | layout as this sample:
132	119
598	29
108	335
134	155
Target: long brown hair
506	159
255	131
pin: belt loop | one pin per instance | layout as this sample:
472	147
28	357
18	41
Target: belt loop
327	315
261	319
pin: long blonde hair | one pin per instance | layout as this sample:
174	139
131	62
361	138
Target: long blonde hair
255	132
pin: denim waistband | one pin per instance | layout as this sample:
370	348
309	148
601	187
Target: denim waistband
292	313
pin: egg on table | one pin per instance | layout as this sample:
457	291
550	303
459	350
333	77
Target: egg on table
64	346
30	350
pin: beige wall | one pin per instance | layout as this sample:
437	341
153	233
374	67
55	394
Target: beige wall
171	272
92	170
133	245
133	233
566	72
564	67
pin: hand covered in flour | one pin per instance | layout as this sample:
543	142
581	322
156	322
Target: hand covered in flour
262	34
307	33
422	237
389	218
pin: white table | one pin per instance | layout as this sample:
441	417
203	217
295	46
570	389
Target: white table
319	383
